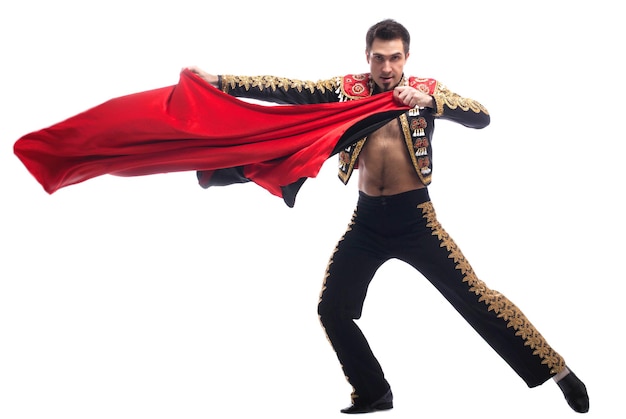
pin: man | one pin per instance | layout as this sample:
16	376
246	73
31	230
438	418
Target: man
394	218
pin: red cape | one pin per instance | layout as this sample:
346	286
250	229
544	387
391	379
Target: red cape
194	126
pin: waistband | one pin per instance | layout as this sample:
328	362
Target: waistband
413	197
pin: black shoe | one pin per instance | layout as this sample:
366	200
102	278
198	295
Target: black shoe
384	403
575	392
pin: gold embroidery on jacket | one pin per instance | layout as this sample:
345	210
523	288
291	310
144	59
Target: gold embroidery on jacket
406	132
495	301
347	159
273	83
444	96
354	87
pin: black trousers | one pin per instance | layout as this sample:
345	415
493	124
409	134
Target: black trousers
405	227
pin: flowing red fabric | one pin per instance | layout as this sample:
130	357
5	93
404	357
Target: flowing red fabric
193	126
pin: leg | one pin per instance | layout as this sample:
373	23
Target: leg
491	314
349	273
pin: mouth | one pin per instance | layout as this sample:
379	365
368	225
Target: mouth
386	80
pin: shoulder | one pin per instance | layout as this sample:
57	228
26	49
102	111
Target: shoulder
355	86
358	86
426	85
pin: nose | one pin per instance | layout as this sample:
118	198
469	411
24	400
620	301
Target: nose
387	66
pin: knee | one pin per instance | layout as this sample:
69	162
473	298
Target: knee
323	311
331	314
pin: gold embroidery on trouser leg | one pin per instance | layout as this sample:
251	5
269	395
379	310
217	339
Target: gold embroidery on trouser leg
495	301
326	274
330	261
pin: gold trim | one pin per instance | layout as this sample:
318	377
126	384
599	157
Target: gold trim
326	275
408	139
444	96
439	101
330	261
365	81
495	301
345	176
274	83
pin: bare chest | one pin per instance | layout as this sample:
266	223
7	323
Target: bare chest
385	165
385	146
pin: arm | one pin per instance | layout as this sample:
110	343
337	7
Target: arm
465	111
445	105
273	89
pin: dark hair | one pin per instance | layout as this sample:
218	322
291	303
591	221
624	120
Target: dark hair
388	30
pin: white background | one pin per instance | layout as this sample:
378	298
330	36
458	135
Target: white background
153	298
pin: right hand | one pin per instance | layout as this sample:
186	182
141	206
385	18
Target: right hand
412	97
209	78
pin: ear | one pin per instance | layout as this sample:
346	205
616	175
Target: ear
367	56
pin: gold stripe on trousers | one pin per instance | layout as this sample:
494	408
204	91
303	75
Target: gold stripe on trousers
495	301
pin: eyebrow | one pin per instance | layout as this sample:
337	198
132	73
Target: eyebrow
377	54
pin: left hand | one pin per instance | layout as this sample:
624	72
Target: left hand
412	97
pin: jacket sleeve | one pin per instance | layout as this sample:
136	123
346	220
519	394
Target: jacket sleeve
280	90
453	107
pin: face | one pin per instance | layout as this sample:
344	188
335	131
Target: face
386	60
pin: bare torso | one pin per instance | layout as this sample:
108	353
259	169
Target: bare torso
385	167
